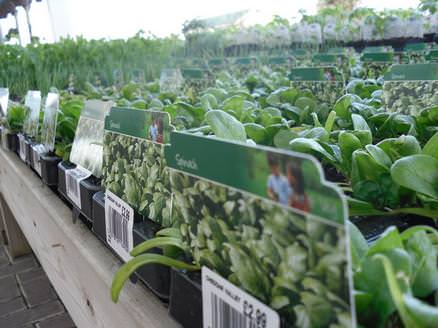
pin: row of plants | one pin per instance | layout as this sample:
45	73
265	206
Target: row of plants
386	163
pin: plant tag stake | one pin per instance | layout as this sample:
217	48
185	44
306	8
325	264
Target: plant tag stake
22	151
119	221
226	305
73	178
37	150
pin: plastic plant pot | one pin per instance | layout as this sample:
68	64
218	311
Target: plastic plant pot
156	277
88	188
62	167
49	169
12	142
185	304
98	214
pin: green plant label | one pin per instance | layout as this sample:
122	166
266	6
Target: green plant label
217	62
4	99
245	61
378	57
408	89
279	61
416	47
88	143
134	167
300	53
377	49
325	59
48	133
433	55
376	64
33	107
325	83
225	304
267	221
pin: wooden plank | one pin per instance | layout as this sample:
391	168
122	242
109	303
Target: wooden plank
77	263
16	243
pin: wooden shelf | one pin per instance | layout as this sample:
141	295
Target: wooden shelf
77	263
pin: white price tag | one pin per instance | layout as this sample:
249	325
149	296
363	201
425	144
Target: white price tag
4	138
225	305
22	151
119	221
37	150
73	178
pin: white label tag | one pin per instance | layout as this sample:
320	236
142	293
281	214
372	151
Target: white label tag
37	150
119	221
73	178
4	138
225	305
22	151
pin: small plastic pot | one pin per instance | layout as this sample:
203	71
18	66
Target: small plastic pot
98	215
49	169
88	188
154	276
185	304
62	167
12	142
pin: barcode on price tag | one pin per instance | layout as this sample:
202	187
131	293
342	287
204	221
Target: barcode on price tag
227	306
73	178
4	138
119	221
22	151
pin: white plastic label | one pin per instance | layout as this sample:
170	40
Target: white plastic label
37	150
73	178
4	138
225	305
22	151
119	221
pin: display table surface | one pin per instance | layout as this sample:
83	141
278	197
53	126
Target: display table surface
78	265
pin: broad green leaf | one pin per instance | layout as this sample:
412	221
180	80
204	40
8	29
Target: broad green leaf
358	207
306	103
330	121
431	147
362	129
343	104
418	173
423	315
283	138
225	126
131	266
309	146
209	102
256	132
348	143
379	155
400	147
358	244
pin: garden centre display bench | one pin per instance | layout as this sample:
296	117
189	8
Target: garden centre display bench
77	263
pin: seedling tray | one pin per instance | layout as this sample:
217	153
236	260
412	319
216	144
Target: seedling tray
155	276
185	304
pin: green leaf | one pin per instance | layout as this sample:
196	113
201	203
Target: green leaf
422	314
330	121
379	155
157	242
358	244
358	207
225	126
362	129
418	173
306	103
256	132
131	266
343	104
209	102
284	137
400	147
309	146
431	147
348	143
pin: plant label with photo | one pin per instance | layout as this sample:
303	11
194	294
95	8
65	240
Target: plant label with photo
87	146
409	89
326	84
4	99
375	64
134	167
73	178
119	221
226	305
267	221
49	123
33	107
